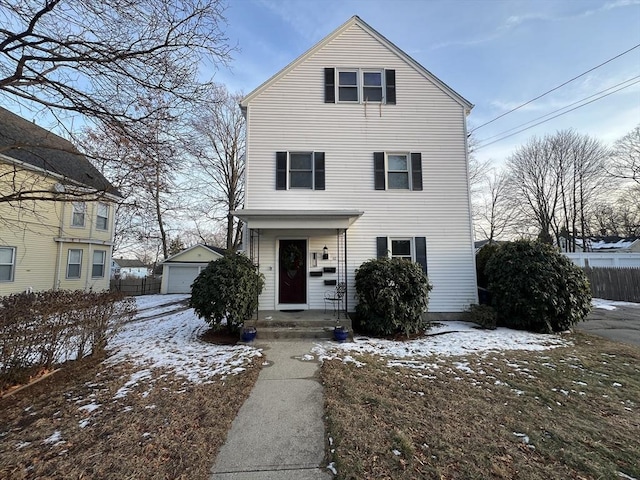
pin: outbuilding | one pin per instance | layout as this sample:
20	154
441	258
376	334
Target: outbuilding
180	270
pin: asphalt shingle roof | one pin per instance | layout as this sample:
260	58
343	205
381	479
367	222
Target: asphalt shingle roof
29	143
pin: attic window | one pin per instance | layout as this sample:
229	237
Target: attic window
356	85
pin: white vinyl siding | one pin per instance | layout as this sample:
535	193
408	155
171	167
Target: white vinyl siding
292	112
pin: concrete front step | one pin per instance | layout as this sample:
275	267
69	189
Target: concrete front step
309	324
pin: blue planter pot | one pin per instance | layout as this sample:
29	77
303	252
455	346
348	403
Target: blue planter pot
248	334
340	334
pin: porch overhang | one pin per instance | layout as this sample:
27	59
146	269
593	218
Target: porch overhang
264	219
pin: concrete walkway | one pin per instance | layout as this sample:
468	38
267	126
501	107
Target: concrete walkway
279	431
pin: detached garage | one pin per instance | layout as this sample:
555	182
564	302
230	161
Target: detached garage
180	270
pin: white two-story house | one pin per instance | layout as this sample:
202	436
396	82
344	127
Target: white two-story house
356	151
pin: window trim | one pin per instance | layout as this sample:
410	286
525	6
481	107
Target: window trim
408	171
73	214
339	85
103	264
98	216
412	255
69	264
12	265
381	87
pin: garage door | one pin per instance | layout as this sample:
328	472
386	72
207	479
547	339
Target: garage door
181	278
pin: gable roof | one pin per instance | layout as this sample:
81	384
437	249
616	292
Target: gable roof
609	242
217	250
27	143
129	263
355	20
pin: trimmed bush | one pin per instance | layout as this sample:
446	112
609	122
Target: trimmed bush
536	288
393	295
226	292
483	315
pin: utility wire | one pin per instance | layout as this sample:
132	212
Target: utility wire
555	88
556	116
559	109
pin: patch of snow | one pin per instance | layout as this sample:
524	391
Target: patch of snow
90	408
173	343
616	384
396	452
145	302
332	467
21	445
55	438
611	304
452	338
133	381
523	437
625	476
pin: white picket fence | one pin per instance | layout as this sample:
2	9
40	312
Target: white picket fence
605	259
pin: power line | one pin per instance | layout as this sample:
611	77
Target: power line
559	109
555	88
556	116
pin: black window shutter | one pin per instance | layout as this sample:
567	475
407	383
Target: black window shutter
421	252
416	171
329	85
318	170
390	82
382	250
378	170
281	170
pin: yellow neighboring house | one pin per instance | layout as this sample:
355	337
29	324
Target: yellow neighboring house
56	212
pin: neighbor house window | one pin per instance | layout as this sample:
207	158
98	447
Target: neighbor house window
102	218
397	171
295	170
7	263
97	268
79	212
355	85
74	263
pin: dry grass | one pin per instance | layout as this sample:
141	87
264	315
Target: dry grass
164	428
466	418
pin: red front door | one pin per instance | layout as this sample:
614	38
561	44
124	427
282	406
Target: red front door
292	267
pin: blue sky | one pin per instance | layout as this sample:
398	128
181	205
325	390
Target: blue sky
497	54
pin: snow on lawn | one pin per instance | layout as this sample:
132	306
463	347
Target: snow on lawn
172	342
611	304
446	339
145	302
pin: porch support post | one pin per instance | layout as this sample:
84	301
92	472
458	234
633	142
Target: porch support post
346	278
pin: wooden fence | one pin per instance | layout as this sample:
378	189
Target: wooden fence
615	283
136	286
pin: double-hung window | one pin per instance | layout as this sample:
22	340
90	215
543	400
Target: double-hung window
97	268
397	171
348	86
372	86
102	216
7	263
74	263
298	170
413	249
78	214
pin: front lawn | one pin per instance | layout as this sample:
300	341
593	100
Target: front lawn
159	406
409	411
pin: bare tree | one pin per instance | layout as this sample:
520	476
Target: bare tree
97	59
625	159
494	210
555	181
144	170
220	159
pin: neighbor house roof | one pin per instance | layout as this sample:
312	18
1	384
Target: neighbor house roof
355	20
609	242
129	263
27	143
216	250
